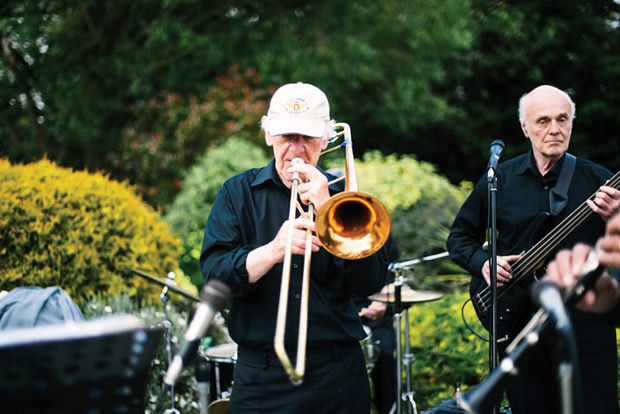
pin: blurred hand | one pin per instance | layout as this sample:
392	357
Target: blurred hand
374	311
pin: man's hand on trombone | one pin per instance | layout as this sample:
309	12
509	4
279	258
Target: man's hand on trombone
313	186
298	246
261	259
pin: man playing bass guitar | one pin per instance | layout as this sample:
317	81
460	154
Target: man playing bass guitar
531	205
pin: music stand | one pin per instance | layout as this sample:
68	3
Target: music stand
98	366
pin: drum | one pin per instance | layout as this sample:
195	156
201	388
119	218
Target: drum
370	348
221	359
219	406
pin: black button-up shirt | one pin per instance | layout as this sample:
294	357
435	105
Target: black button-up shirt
522	195
248	212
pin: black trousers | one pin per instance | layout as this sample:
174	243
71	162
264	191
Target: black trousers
335	381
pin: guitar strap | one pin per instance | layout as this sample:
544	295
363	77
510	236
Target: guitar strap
558	196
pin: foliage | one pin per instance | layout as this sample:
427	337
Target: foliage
79	231
422	205
170	133
71	70
188	213
518	46
186	395
80	81
76	76
446	353
378	62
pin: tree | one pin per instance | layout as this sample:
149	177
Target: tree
88	65
168	134
518	46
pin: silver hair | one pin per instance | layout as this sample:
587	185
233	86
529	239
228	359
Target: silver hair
523	117
330	126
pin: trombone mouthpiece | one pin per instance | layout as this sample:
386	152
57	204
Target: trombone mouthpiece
297	160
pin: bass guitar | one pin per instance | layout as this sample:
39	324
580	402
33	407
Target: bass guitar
514	295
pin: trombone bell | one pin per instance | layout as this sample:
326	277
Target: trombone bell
353	225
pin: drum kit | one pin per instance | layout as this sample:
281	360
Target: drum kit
217	361
221	359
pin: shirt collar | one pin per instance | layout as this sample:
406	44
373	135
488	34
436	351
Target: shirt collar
268	173
529	164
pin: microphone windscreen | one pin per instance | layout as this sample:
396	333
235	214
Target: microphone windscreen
216	294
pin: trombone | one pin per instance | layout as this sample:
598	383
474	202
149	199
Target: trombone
351	225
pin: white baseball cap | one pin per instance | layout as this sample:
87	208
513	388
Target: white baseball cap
298	108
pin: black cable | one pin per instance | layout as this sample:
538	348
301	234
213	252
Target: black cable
467	325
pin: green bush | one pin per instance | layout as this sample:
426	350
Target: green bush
189	212
81	232
446	352
422	205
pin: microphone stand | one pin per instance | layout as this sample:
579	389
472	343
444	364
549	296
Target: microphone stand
492	189
170	351
202	374
407	357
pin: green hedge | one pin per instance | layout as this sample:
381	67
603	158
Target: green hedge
446	352
81	232
189	212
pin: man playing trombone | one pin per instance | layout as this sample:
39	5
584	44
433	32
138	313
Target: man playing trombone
246	239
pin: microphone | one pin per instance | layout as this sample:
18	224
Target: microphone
497	147
202	372
547	295
214	297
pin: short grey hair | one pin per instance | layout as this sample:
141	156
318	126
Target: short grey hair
522	101
330	126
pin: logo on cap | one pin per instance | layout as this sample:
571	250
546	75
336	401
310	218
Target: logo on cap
297	106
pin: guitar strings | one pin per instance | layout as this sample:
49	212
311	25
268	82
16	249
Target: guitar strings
526	265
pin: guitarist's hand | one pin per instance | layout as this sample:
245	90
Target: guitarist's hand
504	271
606	202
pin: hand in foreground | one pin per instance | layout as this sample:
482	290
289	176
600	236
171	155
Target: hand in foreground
567	267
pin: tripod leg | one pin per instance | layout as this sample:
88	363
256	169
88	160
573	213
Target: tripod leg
399	364
411	408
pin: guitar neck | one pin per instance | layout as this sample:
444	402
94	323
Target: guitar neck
534	257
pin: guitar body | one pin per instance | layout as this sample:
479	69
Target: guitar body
513	301
513	298
512	314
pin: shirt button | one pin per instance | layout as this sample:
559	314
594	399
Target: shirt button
295	265
297	296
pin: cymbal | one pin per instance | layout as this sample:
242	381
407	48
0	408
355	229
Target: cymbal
172	285
407	295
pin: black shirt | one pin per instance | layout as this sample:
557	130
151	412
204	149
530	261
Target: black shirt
522	195
247	213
